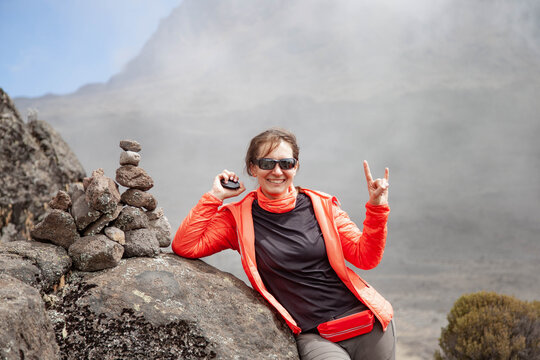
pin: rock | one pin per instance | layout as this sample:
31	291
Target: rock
130	158
37	264
57	227
162	229
155	214
134	177
115	234
103	221
130	145
75	190
93	253
26	331
9	233
102	193
86	182
141	242
61	201
62	160
83	214
169	308
139	198
34	163
131	218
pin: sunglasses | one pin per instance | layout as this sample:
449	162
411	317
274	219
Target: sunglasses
269	164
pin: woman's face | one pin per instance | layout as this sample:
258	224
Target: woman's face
275	183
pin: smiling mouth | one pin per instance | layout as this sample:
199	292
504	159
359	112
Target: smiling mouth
276	181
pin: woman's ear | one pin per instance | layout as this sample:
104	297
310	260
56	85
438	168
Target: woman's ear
252	170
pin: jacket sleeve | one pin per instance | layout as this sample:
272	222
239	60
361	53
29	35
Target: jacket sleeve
206	230
364	249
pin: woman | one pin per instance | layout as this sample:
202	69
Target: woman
294	243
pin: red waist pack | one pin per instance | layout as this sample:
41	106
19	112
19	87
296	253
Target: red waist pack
347	327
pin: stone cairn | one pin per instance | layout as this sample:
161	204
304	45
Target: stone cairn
98	226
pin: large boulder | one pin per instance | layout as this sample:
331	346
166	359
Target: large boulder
167	308
40	265
34	164
26	331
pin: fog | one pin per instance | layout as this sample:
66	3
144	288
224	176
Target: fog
444	93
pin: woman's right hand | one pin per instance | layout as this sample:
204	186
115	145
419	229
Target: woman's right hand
222	193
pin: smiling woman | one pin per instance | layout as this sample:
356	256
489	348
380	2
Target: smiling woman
58	46
293	244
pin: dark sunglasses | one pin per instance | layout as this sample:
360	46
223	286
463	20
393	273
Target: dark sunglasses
269	164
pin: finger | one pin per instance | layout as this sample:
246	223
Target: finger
386	173
227	175
380	190
369	178
380	184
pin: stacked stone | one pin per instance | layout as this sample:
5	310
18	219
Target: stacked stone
98	226
146	227
77	221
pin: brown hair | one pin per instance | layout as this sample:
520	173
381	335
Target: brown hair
273	137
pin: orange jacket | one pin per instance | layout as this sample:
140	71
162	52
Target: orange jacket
208	229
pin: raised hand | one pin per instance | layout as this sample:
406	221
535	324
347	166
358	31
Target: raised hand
222	193
378	188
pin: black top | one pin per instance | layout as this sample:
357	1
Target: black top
293	264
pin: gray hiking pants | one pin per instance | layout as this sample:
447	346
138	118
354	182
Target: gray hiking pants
375	345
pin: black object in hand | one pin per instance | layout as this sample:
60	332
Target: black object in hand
232	185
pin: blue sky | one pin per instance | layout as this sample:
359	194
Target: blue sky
56	46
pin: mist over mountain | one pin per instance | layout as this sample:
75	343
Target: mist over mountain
445	93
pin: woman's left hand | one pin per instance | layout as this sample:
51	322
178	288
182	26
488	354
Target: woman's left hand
378	188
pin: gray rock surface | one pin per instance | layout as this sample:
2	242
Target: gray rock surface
130	145
167	308
141	242
83	214
103	221
129	158
34	163
102	193
57	227
37	264
131	218
75	190
162	229
134	177
155	214
93	253
26	331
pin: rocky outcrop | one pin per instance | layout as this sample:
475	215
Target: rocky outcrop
39	265
26	331
34	163
166	308
163	307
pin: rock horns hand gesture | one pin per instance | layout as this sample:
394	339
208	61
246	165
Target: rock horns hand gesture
378	188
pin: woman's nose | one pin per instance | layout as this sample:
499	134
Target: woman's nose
277	170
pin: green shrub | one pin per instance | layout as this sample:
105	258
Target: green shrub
486	325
